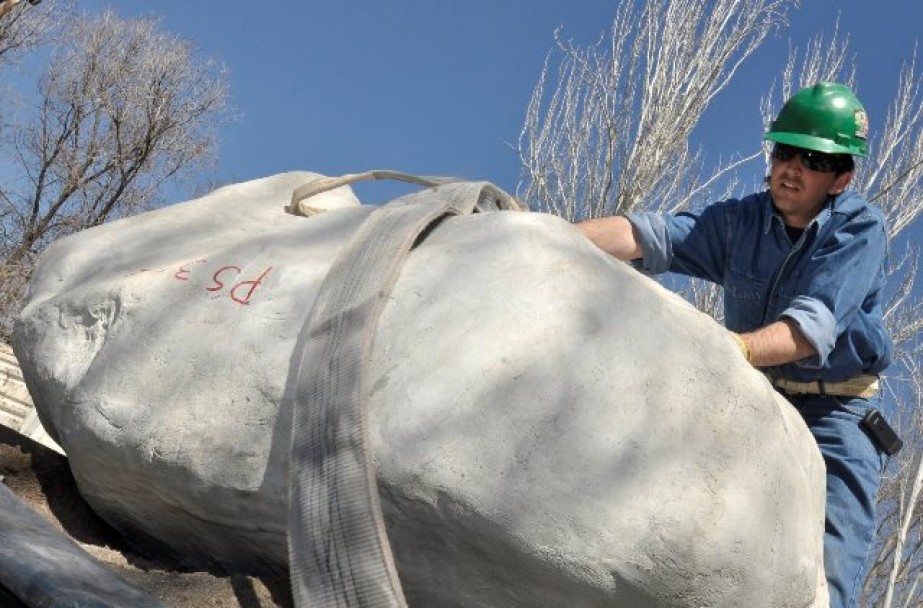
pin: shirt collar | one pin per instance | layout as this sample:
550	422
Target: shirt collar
845	202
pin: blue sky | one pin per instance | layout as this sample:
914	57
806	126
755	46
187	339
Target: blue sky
438	87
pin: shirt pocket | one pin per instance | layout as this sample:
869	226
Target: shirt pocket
745	291
788	287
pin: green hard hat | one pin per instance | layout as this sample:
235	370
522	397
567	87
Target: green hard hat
826	117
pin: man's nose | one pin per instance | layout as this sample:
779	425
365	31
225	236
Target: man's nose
795	163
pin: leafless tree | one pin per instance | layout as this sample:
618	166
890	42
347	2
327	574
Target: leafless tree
123	109
611	133
23	27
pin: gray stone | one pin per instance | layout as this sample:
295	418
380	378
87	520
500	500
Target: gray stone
549	426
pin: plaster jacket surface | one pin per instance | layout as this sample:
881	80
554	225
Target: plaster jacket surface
549	426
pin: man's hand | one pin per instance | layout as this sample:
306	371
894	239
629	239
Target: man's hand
776	344
744	348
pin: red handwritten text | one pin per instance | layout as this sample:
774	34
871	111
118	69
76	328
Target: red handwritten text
227	277
183	273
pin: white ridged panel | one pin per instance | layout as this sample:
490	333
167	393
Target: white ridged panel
16	409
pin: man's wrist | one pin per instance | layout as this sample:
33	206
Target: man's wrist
744	347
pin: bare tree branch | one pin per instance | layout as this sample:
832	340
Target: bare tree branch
614	131
123	109
23	27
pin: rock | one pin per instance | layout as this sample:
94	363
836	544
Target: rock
549	426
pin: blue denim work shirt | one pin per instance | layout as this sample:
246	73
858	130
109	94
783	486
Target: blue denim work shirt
829	282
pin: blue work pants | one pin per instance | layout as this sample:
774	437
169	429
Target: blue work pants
854	469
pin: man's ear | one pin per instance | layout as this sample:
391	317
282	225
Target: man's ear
839	183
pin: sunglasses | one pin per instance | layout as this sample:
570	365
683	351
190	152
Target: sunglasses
810	159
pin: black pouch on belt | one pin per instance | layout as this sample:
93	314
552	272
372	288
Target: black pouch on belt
882	432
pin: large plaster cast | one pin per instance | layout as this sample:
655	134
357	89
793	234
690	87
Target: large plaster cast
549	426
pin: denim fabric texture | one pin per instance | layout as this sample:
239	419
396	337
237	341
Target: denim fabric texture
829	282
854	469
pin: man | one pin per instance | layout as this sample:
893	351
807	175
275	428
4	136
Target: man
802	267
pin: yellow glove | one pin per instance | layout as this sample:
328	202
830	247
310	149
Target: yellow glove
744	349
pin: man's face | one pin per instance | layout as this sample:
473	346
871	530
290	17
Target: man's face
798	192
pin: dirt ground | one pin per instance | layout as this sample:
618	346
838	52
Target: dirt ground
42	478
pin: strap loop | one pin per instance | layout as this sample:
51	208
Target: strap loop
325	184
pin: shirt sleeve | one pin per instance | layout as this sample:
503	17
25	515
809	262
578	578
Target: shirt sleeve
693	244
837	279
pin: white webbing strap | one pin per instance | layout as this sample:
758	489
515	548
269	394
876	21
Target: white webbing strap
338	546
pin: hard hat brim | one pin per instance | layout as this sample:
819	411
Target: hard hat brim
810	142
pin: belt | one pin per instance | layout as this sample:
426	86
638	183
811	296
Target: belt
860	386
